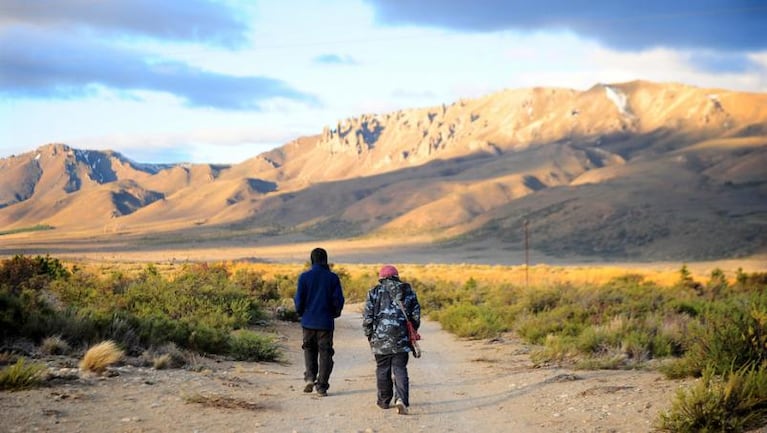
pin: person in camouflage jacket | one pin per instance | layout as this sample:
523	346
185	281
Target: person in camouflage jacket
385	328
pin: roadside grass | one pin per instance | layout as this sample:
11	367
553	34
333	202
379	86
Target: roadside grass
683	324
22	375
716	329
197	306
733	402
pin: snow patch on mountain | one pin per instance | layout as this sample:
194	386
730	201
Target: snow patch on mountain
619	99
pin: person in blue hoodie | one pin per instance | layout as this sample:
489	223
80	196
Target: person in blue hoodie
319	300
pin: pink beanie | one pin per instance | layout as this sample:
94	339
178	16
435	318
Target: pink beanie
387	271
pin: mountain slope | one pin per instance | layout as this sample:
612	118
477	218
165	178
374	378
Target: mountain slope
72	188
635	170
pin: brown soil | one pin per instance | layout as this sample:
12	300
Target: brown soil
457	386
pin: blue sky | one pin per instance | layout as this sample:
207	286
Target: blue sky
222	81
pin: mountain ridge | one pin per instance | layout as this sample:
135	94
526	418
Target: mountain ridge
635	170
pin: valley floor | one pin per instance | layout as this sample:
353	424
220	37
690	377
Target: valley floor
341	251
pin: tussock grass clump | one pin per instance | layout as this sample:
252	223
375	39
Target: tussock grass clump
735	402
22	375
161	362
164	357
101	356
176	358
55	345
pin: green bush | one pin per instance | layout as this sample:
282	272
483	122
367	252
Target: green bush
473	321
22	375
433	296
542	300
196	308
245	345
734	402
597	340
25	301
679	368
253	283
555	348
567	320
286	285
22	272
730	334
207	339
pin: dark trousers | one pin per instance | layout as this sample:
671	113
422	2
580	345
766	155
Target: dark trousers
396	365
318	357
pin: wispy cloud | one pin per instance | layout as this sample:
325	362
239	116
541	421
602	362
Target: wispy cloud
51	52
142	75
334	59
722	62
44	65
188	20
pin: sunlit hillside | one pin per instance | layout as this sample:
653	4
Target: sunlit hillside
635	171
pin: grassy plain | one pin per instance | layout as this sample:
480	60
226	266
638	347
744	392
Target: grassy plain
538	275
678	321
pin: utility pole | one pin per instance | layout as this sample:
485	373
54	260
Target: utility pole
527	255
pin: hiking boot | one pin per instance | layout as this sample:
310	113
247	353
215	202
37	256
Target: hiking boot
401	408
309	387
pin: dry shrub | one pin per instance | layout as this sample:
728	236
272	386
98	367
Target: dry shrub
100	356
163	357
161	362
54	345
176	357
220	401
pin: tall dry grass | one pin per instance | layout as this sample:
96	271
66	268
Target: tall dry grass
101	356
539	275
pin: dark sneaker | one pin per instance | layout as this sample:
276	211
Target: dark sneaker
309	387
401	408
383	405
322	392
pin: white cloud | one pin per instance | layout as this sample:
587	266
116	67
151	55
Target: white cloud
395	68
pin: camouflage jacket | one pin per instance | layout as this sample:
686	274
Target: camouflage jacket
383	321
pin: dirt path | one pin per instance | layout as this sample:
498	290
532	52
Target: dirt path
457	386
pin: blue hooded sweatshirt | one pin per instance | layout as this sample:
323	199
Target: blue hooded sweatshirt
319	298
